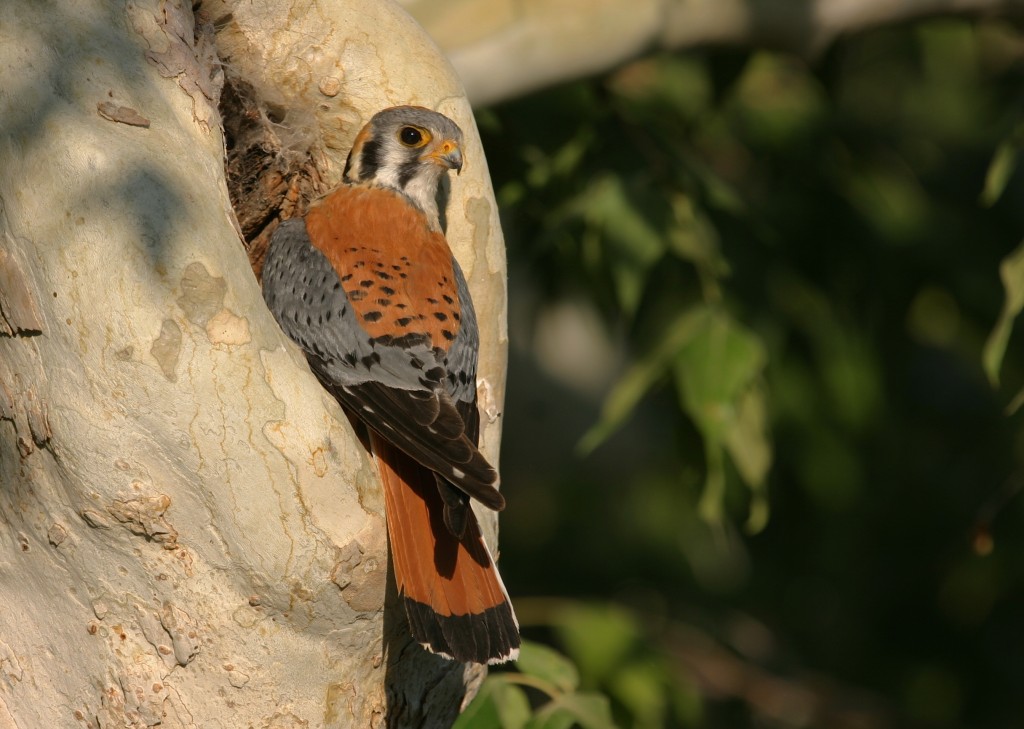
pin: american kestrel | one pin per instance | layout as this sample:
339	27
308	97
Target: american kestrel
368	287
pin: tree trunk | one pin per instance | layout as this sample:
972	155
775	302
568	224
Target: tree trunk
190	533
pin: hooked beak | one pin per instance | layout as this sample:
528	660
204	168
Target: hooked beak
448	155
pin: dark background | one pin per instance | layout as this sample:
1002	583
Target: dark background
720	257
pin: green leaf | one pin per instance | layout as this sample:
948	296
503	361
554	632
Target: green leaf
1016	403
717	364
750	449
1011	271
891	199
597	637
552	719
712	500
640	378
693	238
1001	168
588	710
718	371
776	101
631	243
547	664
642	688
512	705
499	705
482	712
758	513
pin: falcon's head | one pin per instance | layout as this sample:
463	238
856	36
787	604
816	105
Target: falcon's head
407	149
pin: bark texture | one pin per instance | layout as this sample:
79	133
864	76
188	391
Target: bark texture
190	533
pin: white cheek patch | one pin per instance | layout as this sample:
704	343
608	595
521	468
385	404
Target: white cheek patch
423	187
387	173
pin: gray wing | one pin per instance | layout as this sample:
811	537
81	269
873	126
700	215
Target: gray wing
461	360
461	363
303	292
398	387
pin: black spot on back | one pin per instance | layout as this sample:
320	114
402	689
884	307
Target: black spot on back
405	341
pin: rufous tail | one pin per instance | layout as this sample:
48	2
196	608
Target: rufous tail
454	598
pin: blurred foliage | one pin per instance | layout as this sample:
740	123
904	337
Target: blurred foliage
741	279
577	688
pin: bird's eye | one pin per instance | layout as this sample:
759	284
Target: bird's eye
410	136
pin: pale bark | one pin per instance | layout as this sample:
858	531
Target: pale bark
190	533
506	48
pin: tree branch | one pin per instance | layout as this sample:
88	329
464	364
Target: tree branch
506	48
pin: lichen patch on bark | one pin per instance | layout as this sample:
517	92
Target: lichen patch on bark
226	327
166	349
202	294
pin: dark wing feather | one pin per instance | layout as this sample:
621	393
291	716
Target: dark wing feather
398	390
452	456
461	363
